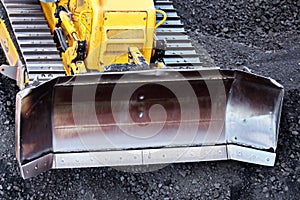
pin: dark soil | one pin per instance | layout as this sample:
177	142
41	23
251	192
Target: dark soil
258	34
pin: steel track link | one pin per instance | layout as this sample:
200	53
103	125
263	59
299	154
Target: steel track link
34	39
180	51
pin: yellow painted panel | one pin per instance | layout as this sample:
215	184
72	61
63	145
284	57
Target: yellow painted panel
127	19
127	5
8	46
125	33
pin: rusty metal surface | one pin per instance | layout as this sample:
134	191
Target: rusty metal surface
152	109
253	113
90	122
33	122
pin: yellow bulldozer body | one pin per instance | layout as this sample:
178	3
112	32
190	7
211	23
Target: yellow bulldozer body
109	27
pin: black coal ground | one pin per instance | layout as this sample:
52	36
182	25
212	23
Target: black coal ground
261	35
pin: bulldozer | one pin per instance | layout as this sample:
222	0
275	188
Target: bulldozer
111	83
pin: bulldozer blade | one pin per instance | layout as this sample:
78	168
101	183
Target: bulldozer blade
146	118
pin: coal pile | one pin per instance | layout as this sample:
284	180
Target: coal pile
253	22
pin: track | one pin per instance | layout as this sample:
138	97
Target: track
34	39
180	51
